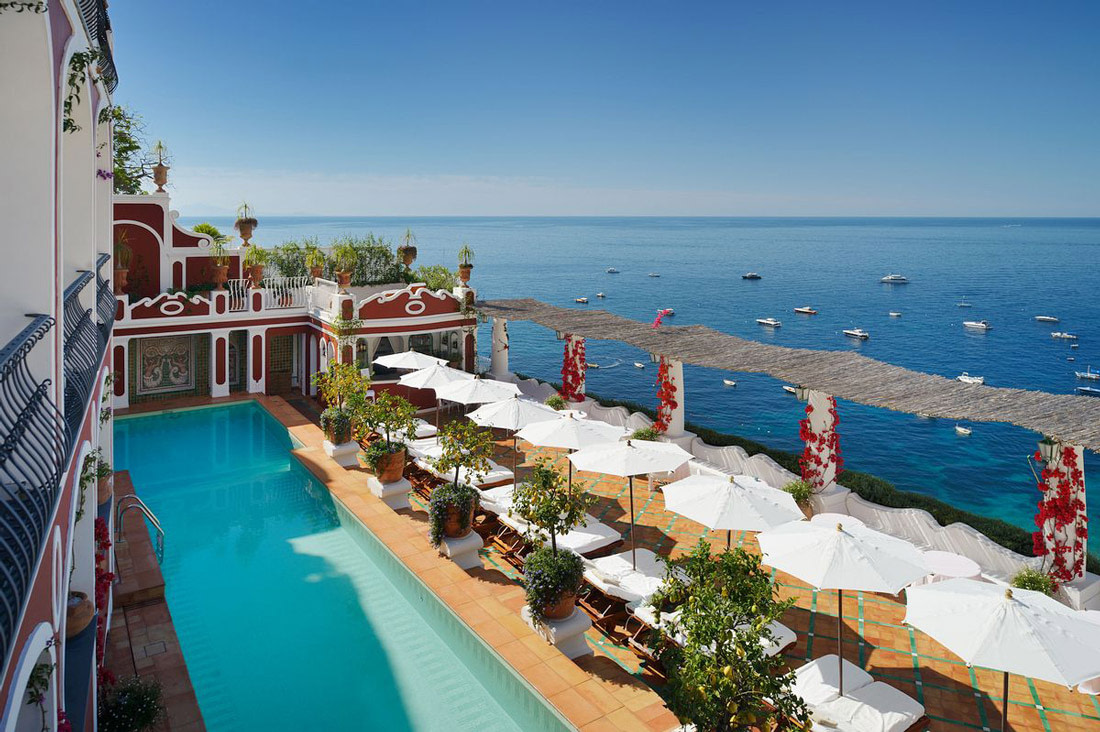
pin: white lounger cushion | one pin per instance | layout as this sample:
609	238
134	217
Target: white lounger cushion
819	680
423	429
876	707
496	475
419	447
498	500
782	636
586	539
615	576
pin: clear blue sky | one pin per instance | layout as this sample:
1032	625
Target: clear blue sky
724	108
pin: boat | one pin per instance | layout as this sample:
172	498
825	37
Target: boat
1088	373
806	310
612	270
1070	358
669	311
654	274
639	365
859	333
729	382
770	322
581	300
751	276
1046	318
1074	345
966	378
965	431
600	295
895	314
895	279
1063	336
1091	391
592	365
963	304
790	389
977	324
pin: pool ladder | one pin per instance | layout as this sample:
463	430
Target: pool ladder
128	502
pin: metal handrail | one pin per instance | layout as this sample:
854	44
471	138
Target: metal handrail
136	502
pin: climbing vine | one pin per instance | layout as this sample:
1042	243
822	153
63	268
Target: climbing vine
38	685
79	64
573	368
666	396
822	449
103	580
1061	517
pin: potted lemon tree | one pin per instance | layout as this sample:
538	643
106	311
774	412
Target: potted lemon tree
394	419
338	386
451	509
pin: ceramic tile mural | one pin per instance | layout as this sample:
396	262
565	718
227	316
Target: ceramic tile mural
166	364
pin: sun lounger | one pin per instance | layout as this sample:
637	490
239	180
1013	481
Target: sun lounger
611	582
782	637
590	538
818	681
497	475
421	446
876	707
498	500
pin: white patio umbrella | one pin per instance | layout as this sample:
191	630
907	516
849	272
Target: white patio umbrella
1011	630
477	391
433	378
511	414
410	360
627	459
733	503
570	432
842	558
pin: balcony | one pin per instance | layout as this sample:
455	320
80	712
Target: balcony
83	352
33	453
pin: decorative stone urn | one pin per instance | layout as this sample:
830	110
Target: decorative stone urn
78	613
160	176
343	279
452	524
316	272
561	609
256	275
408	254
391	466
120	280
464	272
221	276
104	489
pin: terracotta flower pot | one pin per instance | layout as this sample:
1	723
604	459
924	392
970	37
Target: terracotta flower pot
104	489
256	274
245	230
561	609
79	612
338	438
221	276
343	279
452	524
391	466
464	272
807	509
315	272
408	256
120	280
160	176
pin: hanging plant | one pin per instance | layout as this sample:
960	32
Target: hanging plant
79	64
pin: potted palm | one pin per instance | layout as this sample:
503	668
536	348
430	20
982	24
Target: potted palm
315	261
551	507
218	257
451	510
801	491
123	255
407	250
246	222
160	170
344	258
394	418
465	262
255	257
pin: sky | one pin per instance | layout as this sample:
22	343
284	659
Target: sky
619	108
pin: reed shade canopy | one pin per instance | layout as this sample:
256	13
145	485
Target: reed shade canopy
627	459
511	414
1007	629
409	361
570	432
842	558
434	378
1066	418
731	503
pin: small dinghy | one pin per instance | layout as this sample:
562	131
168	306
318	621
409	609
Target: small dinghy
1064	336
639	365
593	365
807	310
964	431
770	322
600	295
963	304
858	333
895	314
729	382
612	270
790	389
751	276
581	300
1075	345
895	279
1046	318
977	325
966	378
654	274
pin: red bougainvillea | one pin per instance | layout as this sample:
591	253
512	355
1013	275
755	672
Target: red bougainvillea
103	580
822	449
666	396
573	368
1062	524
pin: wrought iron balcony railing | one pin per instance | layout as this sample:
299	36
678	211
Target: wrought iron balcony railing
105	301
33	450
94	14
82	353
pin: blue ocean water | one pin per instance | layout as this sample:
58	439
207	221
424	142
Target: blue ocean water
1009	270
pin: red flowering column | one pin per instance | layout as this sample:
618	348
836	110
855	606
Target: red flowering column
821	460
573	369
1063	532
498	354
670	401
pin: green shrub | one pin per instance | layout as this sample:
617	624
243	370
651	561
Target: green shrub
557	402
461	496
648	434
131	705
255	256
435	277
1032	579
549	576
290	259
800	491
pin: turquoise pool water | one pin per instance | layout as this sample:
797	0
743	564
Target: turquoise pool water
291	615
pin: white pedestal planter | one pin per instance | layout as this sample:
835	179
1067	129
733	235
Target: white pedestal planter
345	454
463	550
567	635
395	495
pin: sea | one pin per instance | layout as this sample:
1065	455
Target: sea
1005	271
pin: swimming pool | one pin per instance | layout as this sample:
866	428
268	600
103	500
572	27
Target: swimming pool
290	613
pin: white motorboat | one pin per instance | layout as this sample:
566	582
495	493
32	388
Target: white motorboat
1063	336
895	279
639	365
859	333
1074	345
770	322
729	382
966	378
964	431
669	311
1070	358
1088	373
592	365
654	274
1088	391
790	389
963	304
600	295
751	276
806	310
612	270
1046	318
977	324
895	314
581	300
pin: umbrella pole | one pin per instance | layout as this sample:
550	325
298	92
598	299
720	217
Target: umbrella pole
437	420
515	457
570	469
728	532
633	541
1004	710
840	638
